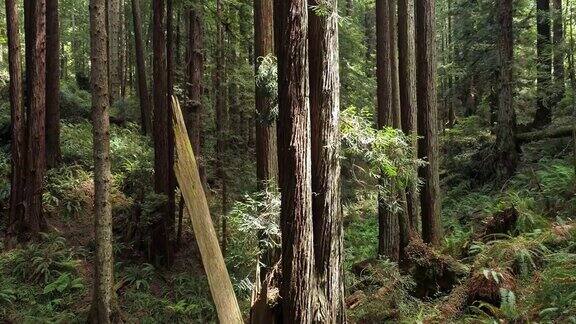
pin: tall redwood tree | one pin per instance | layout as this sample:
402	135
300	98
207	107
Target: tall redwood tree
325	145
291	32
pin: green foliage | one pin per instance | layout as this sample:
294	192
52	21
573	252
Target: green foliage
43	263
40	283
68	190
75	104
556	293
267	85
139	276
388	153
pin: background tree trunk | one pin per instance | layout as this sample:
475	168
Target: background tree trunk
18	123
145	105
35	27
407	69
160	250
114	37
543	115
325	145
427	121
506	128
103	308
266	153
559	52
291	32
388	242
195	64
53	153
221	118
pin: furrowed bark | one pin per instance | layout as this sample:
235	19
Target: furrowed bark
291	23
325	143
17	114
53	153
427	121
35	27
407	69
507	154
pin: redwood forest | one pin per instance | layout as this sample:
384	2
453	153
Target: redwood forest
288	161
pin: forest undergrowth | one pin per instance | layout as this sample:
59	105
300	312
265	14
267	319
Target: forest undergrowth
515	241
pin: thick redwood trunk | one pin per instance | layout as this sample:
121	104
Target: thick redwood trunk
407	69
427	121
18	144
160	250
291	32
544	60
325	146
53	153
505	132
35	27
145	105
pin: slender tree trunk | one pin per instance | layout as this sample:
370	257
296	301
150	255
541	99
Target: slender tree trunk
388	242
427	121
195	66
543	115
572	76
53	153
369	37
35	27
505	132
221	118
170	134
114	38
407	69
266	153
18	125
325	143
170	46
145	105
559	52
103	302
178	41
294	157
160	250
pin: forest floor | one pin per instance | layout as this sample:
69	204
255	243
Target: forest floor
514	243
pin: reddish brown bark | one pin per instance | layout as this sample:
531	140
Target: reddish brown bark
35	27
291	32
160	250
407	69
325	146
507	154
266	152
388	237
195	64
427	121
18	144
145	105
53	153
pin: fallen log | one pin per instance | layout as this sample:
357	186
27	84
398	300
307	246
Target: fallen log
555	132
188	177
